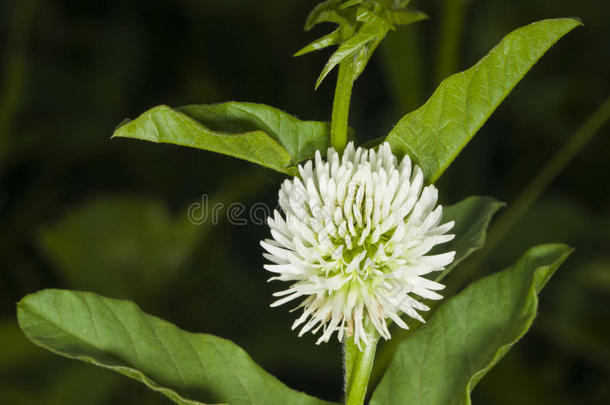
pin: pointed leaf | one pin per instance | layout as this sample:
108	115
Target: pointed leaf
188	368
327	11
440	363
362	26
371	19
472	216
349	3
363	56
347	49
407	16
331	39
434	134
253	132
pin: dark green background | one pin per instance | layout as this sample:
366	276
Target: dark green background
81	211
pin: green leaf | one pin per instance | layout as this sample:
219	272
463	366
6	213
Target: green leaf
375	35
372	19
188	368
440	363
329	11
407	16
362	27
472	216
357	48
434	134
333	38
249	131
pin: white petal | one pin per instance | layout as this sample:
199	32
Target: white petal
353	238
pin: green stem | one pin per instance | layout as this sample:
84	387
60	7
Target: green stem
343	93
358	366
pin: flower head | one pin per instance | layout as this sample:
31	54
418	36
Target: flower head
354	240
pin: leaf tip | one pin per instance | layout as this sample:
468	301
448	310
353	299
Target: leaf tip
572	22
323	75
545	272
318	82
300	52
116	133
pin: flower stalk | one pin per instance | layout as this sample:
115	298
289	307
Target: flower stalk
358	365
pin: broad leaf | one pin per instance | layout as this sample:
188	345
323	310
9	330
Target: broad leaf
253	132
440	363
188	368
472	216
434	134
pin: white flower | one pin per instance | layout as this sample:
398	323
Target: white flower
353	242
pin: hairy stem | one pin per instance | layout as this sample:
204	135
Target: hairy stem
358	366
343	93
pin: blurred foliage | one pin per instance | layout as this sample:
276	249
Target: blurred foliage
136	245
81	211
